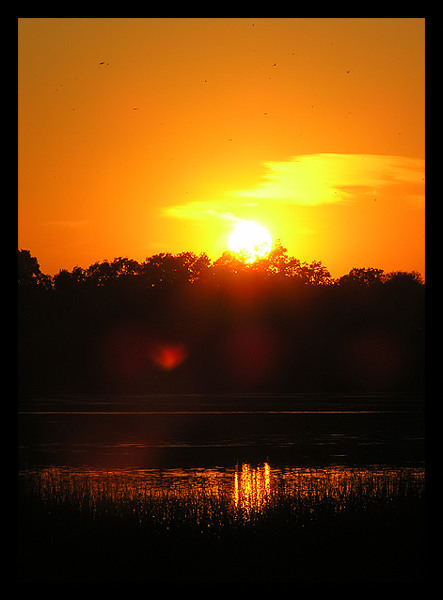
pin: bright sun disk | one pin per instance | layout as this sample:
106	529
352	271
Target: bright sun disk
251	239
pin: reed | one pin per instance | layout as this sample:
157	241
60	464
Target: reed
116	518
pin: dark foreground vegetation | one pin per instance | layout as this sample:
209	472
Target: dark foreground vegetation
181	323
372	534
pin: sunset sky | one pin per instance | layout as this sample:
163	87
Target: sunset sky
139	136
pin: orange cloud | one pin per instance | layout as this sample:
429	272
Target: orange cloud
317	179
314	180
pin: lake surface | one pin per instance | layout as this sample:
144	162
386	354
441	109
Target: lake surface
209	430
248	487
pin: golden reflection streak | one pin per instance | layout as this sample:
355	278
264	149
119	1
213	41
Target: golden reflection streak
252	487
207	495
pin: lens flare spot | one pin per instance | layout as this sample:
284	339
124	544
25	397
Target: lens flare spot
168	356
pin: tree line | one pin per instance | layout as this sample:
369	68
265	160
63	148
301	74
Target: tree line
184	323
186	267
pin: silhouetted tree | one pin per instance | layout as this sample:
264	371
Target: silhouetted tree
316	336
230	263
66	281
277	262
192	266
121	267
404	279
28	272
100	273
362	276
314	273
166	269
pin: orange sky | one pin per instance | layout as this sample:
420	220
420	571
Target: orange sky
312	127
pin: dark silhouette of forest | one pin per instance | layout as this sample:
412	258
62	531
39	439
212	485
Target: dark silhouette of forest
185	324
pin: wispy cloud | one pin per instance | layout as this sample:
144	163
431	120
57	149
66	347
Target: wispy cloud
333	178
204	210
313	180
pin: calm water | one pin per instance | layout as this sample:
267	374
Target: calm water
229	443
185	466
220	431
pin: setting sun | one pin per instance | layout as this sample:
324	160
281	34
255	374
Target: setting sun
272	121
251	239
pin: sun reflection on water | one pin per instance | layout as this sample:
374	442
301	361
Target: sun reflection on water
216	498
252	486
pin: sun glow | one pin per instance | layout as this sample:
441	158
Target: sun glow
251	240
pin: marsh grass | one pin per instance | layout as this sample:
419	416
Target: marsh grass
240	525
